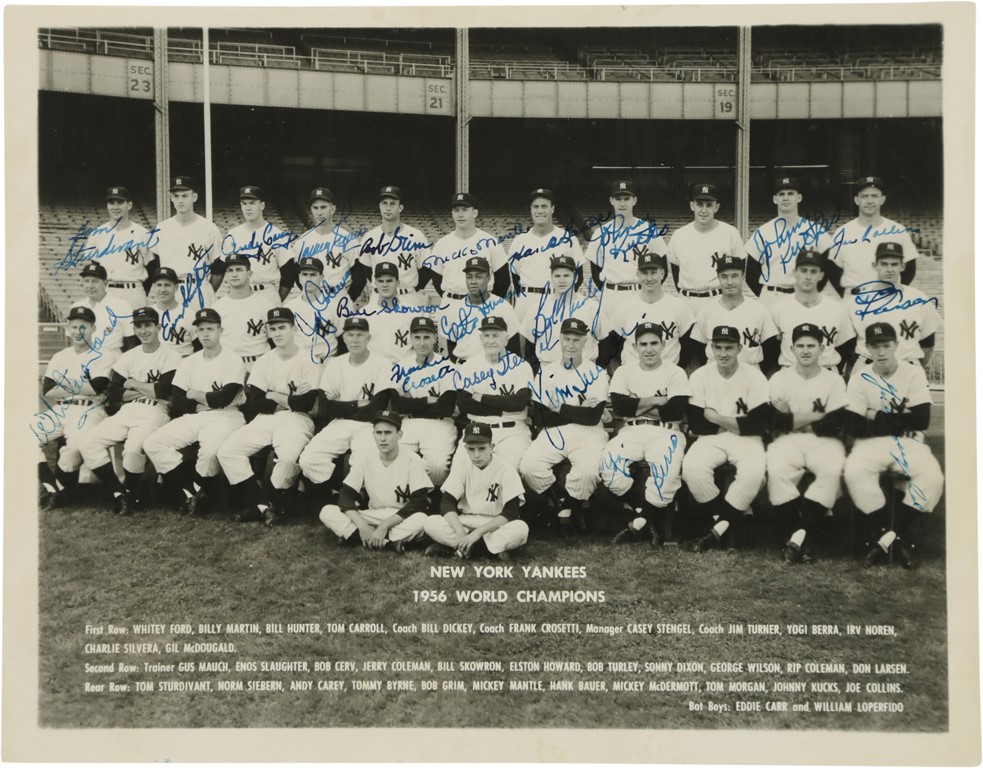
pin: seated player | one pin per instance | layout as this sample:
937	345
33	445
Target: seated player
808	403
651	396
396	486
480	504
891	406
459	321
113	333
136	400
281	393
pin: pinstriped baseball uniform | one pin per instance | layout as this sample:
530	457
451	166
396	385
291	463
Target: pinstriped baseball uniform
671	313
407	247
751	318
829	313
529	258
244	326
268	249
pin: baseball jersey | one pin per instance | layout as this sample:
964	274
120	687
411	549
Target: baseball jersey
737	396
913	315
542	327
388	486
210	375
696	253
121	249
112	322
615	248
667	380
671	313
176	328
182	247
406	247
266	246
559	385
145	367
432	379
506	377
244	324
483	491
775	244
750	317
337	250
317	327
897	393
389	326
829	314
450	253
73	371
341	380
273	373
791	392
460	320
530	254
855	243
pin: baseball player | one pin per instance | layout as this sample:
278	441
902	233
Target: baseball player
695	248
459	320
191	245
265	245
73	391
808	404
316	320
390	316
494	389
121	246
394	241
177	330
206	393
855	242
531	252
424	397
480	504
451	252
914	315
354	387
651	396
808	305
113	333
243	313
614	248
333	245
650	304
891	404
772	247
396	486
541	326
728	411
280	394
136	402
569	397
759	336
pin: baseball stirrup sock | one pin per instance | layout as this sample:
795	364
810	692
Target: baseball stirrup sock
107	475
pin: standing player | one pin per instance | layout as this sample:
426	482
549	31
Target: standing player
333	245
891	406
460	319
728	411
280	395
695	248
390	317
451	252
394	241
73	391
854	243
569	397
114	331
205	397
773	246
264	244
243	314
396	487
808	403
176	320
317	325
651	396
480	504
531	252
136	402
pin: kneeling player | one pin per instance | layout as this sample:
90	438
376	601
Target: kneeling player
480	505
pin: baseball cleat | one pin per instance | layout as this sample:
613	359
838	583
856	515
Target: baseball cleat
807	557
399	547
792	553
249	515
626	536
906	555
438	550
48	499
124	505
875	556
272	516
505	557
708	542
194	505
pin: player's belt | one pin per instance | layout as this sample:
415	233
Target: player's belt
500	424
78	401
534	290
399	291
918	437
124	284
780	288
259	286
455	295
643	422
148	401
700	294
622	286
250	358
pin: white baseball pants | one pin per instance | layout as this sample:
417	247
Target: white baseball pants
660	448
791	455
581	445
745	452
131	425
409	529
288	432
317	462
900	455
209	429
512	535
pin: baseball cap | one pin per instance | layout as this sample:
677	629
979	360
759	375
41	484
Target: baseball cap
145	315
877	332
622	187
280	314
868	181
807	329
310	262
725	333
207	315
321	193
166	273
384	268
94	269
465	199
476	432
237	259
574	325
356	324
649	260
478	264
810	256
251	191
729	262
117	193
180	183
563	262
82	313
542	192
704	192
423	323
787	182
647	327
394	192
388	417
493	323
889	249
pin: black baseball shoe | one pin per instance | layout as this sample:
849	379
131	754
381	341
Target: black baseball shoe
124	505
399	547
792	554
875	556
707	542
807	557
438	550
273	515
194	505
49	499
906	555
250	514
504	557
626	536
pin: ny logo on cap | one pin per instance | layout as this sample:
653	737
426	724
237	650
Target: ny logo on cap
319	191
870	179
878	331
475	430
807	327
622	185
543	190
249	190
389	189
473	262
115	190
785	180
705	189
178	181
277	313
460	197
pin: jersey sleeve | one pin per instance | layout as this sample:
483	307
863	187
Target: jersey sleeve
823	241
856	402
908	247
419	479
836	397
237	368
215	243
697	383
678	384
671	256
685	317
182	377
599	388
329	380
778	394
592	252
768	328
511	485
758	389
845	329
122	365
457	479
356	473
619	382
700	330
259	377
736	245
919	392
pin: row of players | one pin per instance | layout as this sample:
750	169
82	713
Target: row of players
157	405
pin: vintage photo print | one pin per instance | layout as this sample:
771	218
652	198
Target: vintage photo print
491	384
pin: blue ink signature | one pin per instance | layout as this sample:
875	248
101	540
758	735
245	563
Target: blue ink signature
788	241
878	297
621	465
506	362
340	241
564	306
868	236
385	308
251	249
617	241
78	252
555	397
51	419
467	322
402	376
397	243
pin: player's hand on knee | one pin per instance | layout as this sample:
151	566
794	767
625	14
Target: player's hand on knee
366	532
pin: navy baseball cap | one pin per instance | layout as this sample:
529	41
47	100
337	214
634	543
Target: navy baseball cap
877	332
279	314
251	192
118	193
542	192
82	313
237	259
388	417
310	262
649	260
94	269
563	262
384	268
574	325
622	187
145	315
810	256
394	192
478	264
704	192
646	328
166	273
207	315
465	199
787	182
729	262
493	323
725	333
356	324
889	249
476	432
321	193
423	324
181	183
868	181
807	329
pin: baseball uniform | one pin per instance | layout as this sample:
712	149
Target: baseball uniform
542	325
317	324
407	248
450	253
829	313
390	320
529	260
244	326
751	318
177	330
671	313
268	249
696	254
458	323
913	314
112	325
190	249
122	250
775	244
337	249
855	243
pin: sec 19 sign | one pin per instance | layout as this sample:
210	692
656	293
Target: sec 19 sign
725	101
140	80
438	97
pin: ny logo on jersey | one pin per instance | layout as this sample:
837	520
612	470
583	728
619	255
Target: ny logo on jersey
668	329
292	386
153	376
402	494
178	335
898	406
908	330
405	261
402	338
581	398
332	260
752	337
368	391
506	389
829	335
639	250
741	406
263	256
818	406
433	392
131	257
216	387
196	252
493	490
715	258
255	327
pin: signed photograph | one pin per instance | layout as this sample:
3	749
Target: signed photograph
551	384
